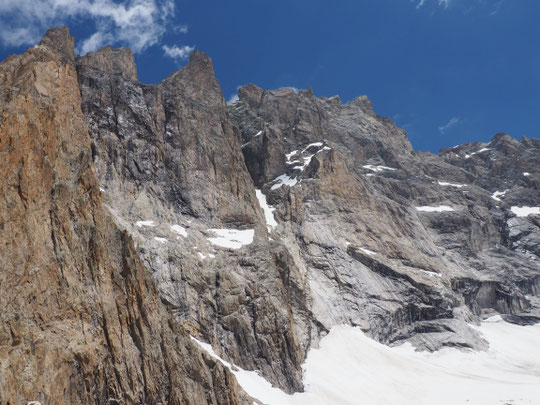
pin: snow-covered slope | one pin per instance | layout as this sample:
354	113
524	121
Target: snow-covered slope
350	369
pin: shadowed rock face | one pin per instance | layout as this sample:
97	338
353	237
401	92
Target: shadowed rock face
409	246
81	321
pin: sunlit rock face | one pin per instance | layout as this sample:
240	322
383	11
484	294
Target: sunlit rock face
136	215
82	321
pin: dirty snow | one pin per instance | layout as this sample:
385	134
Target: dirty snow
144	223
180	230
525	211
283	180
232	238
377	168
444	183
498	194
440	208
268	211
349	368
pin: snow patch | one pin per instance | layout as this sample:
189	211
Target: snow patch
526	174
368	252
268	211
525	211
440	208
144	223
377	168
316	144
444	183
498	194
283	180
160	240
290	155
232	238
180	230
477	152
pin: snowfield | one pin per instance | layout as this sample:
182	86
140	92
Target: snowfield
351	369
232	238
525	211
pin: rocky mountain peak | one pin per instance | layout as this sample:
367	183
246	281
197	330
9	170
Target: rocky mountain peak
114	61
58	38
365	105
251	94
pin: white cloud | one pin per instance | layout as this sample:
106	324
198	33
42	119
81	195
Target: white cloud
135	23
178	53
233	98
453	122
296	90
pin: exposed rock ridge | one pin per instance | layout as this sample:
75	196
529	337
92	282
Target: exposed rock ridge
82	321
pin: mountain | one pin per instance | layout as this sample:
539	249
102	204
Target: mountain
135	216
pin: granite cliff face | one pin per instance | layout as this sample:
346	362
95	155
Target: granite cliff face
264	224
81	320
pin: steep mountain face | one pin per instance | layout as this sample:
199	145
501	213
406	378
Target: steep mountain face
81	320
170	163
264	223
406	245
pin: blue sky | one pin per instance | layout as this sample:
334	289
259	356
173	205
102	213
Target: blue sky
448	72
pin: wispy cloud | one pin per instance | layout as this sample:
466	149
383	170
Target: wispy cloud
232	98
452	123
497	7
442	3
295	89
182	29
177	53
491	7
138	24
